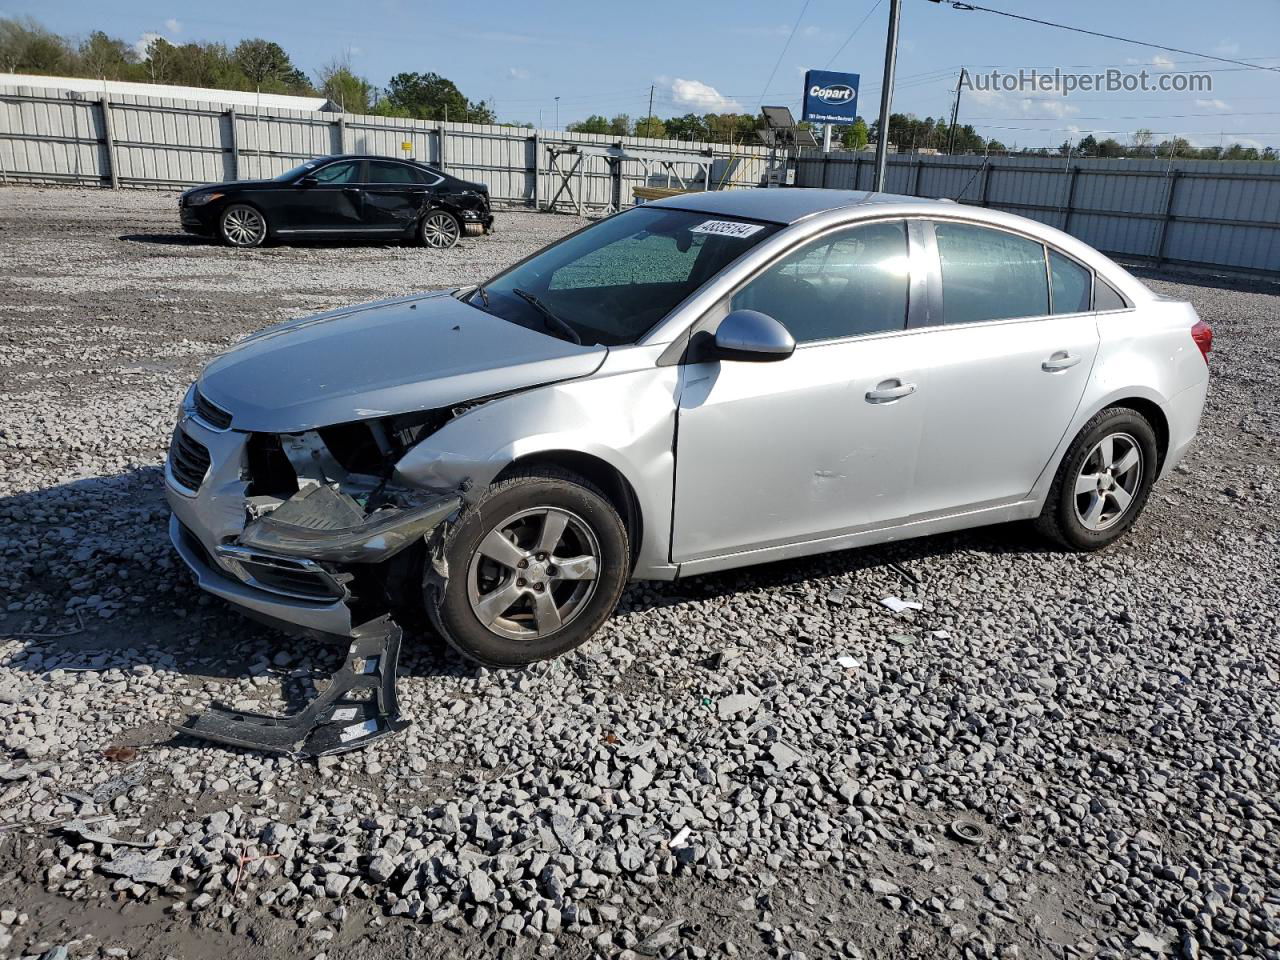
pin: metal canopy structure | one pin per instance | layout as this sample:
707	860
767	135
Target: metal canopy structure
566	164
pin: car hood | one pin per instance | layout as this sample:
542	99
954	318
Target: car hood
394	356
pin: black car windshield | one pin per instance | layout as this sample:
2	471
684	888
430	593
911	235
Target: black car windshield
612	282
296	172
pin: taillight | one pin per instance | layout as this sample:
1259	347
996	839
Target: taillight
1202	334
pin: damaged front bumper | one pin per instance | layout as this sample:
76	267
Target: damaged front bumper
292	564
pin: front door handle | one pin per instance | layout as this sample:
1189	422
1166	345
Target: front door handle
1058	362
890	390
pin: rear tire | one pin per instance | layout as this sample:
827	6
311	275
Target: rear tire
241	225
1103	482
535	567
439	230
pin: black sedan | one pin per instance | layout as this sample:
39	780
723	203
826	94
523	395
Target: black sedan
352	196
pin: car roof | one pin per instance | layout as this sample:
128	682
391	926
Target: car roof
368	156
778	205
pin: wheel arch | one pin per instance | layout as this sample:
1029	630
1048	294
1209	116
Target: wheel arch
603	474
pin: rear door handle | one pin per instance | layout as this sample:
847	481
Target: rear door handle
888	391
1059	361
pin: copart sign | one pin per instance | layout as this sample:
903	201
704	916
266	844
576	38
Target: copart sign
830	97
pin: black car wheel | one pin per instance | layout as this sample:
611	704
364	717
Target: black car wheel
439	229
535	567
1103	482
242	226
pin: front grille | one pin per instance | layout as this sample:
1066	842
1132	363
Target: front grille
303	579
188	460
211	413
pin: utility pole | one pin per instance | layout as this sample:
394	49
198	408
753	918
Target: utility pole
886	93
955	114
648	117
557	113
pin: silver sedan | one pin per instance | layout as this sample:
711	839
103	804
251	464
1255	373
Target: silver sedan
710	381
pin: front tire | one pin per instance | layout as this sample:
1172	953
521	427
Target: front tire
242	226
1103	482
439	230
535	567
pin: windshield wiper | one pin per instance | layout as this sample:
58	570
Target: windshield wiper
552	321
484	294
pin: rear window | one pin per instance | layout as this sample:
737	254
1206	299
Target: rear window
990	275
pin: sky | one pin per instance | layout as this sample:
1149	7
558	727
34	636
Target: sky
600	57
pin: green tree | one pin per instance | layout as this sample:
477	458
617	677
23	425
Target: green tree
593	124
160	60
429	96
104	56
620	125
266	66
339	83
27	47
688	127
650	126
856	135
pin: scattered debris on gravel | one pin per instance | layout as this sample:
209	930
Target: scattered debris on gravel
1031	754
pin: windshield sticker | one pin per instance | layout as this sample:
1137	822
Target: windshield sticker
727	228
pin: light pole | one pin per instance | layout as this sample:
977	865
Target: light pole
886	94
557	113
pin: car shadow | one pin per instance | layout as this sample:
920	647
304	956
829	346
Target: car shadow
315	243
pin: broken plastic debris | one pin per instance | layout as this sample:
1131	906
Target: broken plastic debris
679	838
847	662
898	605
322	727
940	635
836	596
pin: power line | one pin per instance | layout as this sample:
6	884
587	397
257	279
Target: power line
854	32
785	47
956	4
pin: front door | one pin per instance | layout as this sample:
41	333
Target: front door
1006	368
823	442
332	204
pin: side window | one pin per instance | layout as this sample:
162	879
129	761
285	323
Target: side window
1072	284
380	171
842	285
1105	297
989	274
348	171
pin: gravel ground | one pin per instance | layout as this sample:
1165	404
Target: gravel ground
766	762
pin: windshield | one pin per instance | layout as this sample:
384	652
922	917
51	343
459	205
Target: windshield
296	172
612	282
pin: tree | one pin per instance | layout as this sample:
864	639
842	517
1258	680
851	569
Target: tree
161	56
27	47
593	124
265	64
995	146
104	56
620	125
689	127
855	136
650	126
1088	146
1142	138
429	96
339	83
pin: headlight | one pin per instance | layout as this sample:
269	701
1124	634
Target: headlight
188	402
200	199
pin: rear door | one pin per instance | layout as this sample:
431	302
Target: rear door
823	442
332	204
1006	367
394	194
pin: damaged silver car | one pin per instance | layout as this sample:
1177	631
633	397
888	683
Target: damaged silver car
701	383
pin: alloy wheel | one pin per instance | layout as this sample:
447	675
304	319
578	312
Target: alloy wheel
533	573
440	230
244	227
1108	481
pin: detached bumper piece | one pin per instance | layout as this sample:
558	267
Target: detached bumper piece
358	707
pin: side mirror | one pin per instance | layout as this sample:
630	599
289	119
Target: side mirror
752	336
308	181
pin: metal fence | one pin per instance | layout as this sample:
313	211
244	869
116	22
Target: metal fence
56	136
1197	213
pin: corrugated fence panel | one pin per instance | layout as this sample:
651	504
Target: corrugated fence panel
45	137
1193	212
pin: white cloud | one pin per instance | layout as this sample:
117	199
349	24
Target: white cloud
1227	48
518	73
173	25
1161	62
144	41
1214	104
701	98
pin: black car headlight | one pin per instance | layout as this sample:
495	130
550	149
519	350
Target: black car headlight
200	199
